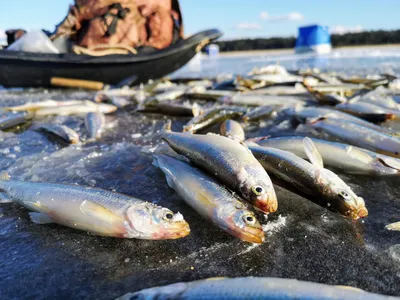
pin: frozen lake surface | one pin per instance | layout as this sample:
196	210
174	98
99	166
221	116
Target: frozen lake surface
304	240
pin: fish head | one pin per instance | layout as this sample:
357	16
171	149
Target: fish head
240	222
259	190
342	196
150	221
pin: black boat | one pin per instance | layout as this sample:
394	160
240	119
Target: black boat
27	69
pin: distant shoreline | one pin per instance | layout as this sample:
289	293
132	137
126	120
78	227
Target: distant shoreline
291	50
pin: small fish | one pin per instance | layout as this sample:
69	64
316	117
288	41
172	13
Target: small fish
33	106
232	130
165	96
95	210
253	288
76	109
366	111
171	109
304	113
213	116
277	78
281	90
10	120
393	226
261	113
94	123
328	88
312	178
358	135
61	131
259	100
108	94
211	200
230	162
344	157
212	95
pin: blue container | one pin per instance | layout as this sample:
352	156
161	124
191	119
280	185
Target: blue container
313	38
212	50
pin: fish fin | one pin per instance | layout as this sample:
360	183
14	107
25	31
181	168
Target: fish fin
312	153
40	218
393	226
4	175
167	126
197	110
389	161
97	211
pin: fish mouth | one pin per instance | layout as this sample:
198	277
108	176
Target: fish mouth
174	232
252	235
362	212
267	204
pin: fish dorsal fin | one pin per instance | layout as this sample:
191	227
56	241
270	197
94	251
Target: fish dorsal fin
312	153
98	211
197	110
4	175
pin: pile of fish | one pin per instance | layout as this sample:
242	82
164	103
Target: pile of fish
318	123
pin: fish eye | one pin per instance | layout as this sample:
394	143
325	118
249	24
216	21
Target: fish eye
344	195
248	219
168	216
258	190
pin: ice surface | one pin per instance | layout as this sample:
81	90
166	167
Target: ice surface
303	240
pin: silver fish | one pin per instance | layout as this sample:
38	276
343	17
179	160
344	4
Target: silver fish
76	109
304	113
212	95
261	113
259	100
211	200
33	106
213	116
171	109
108	94
10	120
311	178
344	157
94	123
268	288
279	90
367	111
358	135
229	161
233	130
95	210
61	131
165	96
